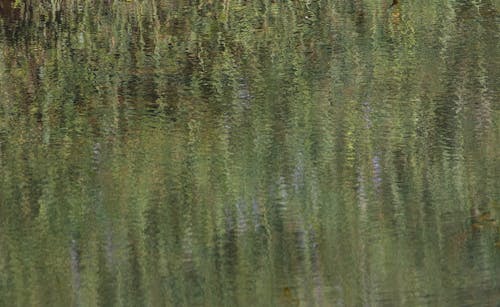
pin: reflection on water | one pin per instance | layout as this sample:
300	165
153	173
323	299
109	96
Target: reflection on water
224	153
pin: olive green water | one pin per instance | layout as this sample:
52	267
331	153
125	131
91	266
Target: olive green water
249	153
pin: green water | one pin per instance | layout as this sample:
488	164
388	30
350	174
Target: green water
249	153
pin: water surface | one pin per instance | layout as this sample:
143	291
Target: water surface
249	153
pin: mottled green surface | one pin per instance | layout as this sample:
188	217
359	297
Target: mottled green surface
249	153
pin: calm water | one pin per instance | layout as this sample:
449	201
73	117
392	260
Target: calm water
249	153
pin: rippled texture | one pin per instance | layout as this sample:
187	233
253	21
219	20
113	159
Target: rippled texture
249	153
